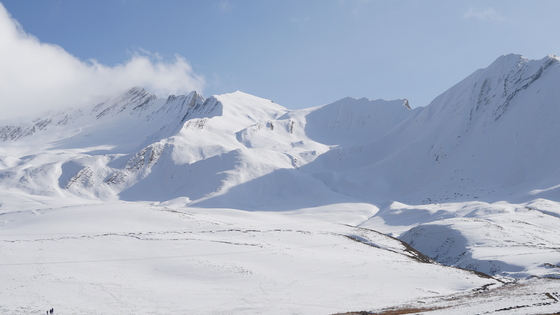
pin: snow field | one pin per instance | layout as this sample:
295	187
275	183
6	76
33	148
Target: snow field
124	258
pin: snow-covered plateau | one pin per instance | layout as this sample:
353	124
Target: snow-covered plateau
237	205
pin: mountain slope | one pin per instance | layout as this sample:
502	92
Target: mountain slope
492	134
137	147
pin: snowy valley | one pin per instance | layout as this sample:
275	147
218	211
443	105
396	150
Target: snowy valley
237	205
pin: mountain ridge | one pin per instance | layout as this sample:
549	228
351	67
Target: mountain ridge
424	141
488	139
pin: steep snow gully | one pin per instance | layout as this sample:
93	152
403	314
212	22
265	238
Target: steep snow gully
472	180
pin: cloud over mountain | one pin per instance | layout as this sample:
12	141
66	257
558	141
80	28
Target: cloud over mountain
37	76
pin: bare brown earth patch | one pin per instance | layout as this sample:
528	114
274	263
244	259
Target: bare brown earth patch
394	311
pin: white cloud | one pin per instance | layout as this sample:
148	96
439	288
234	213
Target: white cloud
300	20
224	5
484	14
35	76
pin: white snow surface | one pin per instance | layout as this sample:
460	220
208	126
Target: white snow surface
235	204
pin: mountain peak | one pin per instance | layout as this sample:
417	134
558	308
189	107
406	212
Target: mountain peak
246	106
136	90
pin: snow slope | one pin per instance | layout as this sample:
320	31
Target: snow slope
124	258
490	137
470	181
482	194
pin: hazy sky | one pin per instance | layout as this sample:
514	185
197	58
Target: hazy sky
298	53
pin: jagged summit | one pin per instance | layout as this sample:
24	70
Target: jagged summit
125	120
495	86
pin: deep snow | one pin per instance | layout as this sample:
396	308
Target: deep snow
235	204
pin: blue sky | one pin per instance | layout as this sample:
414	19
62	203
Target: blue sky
299	53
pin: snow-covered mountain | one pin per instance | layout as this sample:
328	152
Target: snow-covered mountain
489	135
471	180
215	152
